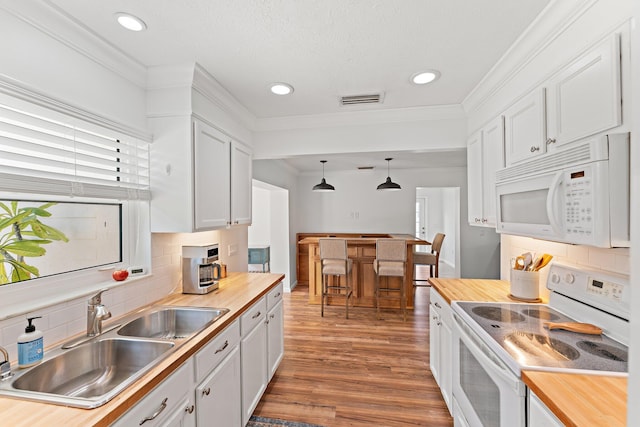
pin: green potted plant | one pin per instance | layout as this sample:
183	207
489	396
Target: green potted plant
22	235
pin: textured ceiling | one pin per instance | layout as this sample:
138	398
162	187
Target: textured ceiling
324	48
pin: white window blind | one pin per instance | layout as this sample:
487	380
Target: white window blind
43	151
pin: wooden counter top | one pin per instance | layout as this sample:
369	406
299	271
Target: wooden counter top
472	290
236	292
581	400
365	238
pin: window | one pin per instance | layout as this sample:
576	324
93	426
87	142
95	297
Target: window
92	175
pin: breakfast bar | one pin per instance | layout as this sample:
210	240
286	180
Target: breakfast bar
361	249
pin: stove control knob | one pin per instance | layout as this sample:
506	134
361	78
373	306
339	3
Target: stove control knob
569	278
555	278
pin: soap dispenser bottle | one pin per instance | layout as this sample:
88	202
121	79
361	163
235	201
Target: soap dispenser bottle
30	345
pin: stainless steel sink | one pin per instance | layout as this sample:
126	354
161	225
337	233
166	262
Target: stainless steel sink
171	323
94	370
89	375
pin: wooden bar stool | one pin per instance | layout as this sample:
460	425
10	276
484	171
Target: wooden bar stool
335	262
391	261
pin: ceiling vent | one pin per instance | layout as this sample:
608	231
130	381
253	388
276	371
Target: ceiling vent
361	99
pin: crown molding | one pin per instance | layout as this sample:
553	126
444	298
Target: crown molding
554	20
58	25
355	118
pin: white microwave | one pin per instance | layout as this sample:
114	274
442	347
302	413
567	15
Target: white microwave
577	195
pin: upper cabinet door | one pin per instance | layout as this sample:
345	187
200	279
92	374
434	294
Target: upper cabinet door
211	177
474	179
492	160
525	128
241	175
585	97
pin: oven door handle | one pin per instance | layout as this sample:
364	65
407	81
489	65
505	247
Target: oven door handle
491	365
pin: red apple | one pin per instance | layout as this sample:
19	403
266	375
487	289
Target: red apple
120	275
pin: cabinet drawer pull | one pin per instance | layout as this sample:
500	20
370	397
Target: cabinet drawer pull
255	316
189	409
152	417
206	391
438	305
534	149
277	295
225	345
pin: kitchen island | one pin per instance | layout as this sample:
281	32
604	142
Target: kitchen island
361	248
238	293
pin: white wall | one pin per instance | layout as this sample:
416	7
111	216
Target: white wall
443	215
260	228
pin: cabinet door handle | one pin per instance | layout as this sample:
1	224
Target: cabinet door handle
477	220
534	149
551	141
439	323
206	391
153	416
434	317
225	345
277	295
255	316
485	220
189	409
272	316
438	305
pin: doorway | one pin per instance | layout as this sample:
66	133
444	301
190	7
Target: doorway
438	211
270	227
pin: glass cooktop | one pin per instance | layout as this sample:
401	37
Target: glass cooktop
518	329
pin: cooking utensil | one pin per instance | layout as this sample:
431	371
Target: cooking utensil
528	257
546	258
535	263
583	328
519	264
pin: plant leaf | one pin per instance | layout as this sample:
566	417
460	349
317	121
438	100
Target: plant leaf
27	248
36	211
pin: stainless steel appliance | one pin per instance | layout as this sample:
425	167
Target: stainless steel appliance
494	342
576	195
200	269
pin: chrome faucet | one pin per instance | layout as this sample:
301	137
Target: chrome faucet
96	313
5	367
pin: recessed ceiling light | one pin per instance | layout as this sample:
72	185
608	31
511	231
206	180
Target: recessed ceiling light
425	77
281	88
130	22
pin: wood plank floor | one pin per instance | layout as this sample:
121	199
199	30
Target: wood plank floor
356	372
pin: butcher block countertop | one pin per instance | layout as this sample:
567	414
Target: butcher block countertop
237	292
581	400
577	400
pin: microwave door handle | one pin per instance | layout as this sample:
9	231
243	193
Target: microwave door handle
551	208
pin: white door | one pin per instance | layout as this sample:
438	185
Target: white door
218	397
525	128
421	223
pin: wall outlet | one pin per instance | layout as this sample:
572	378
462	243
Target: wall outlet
232	249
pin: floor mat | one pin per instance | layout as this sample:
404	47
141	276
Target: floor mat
271	422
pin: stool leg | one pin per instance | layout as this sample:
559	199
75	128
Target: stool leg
403	301
346	294
322	299
377	296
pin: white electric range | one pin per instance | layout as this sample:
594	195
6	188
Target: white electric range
494	342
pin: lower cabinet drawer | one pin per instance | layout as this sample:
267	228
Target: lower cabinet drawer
254	315
163	401
213	353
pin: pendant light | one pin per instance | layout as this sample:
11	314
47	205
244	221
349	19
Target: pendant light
389	185
323	186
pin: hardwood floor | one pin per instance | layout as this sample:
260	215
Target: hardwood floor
356	372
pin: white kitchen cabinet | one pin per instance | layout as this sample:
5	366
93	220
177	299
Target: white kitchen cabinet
200	177
275	329
525	128
253	353
485	155
169	404
440	345
218	396
241	176
584	98
539	415
219	380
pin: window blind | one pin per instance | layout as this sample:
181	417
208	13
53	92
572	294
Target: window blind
52	154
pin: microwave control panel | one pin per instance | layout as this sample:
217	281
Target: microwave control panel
578	198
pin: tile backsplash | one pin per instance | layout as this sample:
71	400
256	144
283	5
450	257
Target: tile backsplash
614	260
62	321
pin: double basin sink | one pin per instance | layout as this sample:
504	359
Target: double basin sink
95	370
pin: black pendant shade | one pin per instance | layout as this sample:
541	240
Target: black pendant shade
323	186
389	185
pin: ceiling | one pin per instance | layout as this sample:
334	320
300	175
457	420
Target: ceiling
324	48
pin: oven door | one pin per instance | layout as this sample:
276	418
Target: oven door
487	393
